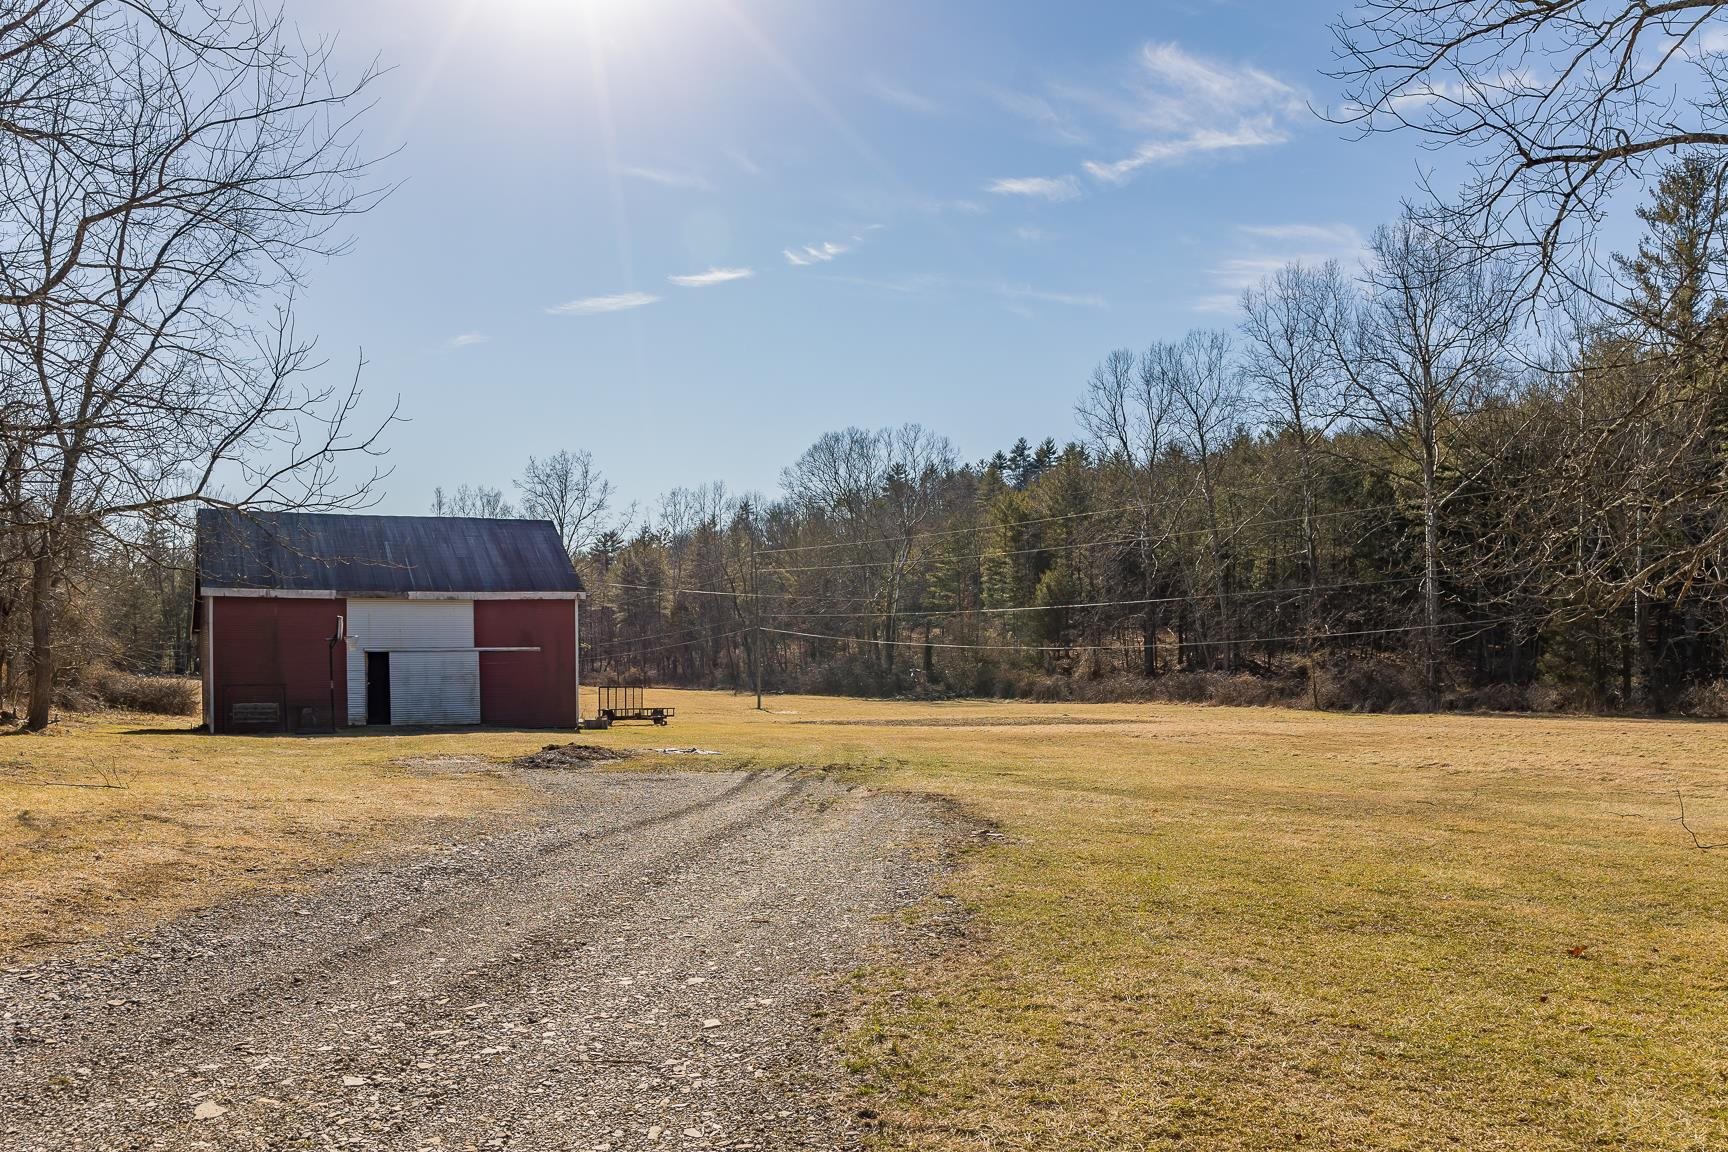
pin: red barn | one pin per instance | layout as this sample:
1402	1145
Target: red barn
307	621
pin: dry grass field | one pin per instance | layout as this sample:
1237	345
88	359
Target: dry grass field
1200	928
108	820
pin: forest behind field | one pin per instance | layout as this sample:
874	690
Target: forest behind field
1382	490
1483	465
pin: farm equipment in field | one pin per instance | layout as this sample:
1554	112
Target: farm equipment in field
624	702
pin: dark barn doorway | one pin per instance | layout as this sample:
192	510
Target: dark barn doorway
377	687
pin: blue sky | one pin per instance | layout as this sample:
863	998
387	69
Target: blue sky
692	235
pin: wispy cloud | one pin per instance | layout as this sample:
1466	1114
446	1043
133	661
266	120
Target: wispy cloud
1071	299
744	161
902	97
1527	79
1038	187
711	277
1193	144
1029	234
1183	84
595	305
1048	121
881	203
814	253
1326	235
1262	249
1232	275
1189	105
467	339
666	177
959	207
1173	105
917	284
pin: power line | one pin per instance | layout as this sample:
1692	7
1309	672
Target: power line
1159	538
725	592
616	641
1251	640
935	532
692	641
1117	541
1059	648
1146	602
1028	608
1363	470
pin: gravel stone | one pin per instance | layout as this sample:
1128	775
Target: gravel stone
647	964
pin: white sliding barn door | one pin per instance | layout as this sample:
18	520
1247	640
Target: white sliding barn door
434	669
435	687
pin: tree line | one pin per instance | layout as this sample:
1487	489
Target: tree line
1484	467
1387	486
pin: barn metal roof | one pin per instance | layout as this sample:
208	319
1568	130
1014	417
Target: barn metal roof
379	555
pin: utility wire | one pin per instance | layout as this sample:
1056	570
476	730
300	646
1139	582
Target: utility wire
617	641
1364	470
1207	596
694	640
1251	640
936	532
1117	541
1239	641
1028	608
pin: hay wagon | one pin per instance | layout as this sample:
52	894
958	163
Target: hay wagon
624	702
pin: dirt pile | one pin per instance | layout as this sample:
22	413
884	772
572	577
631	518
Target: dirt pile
568	756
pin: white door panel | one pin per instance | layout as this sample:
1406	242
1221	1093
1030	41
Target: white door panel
402	627
435	687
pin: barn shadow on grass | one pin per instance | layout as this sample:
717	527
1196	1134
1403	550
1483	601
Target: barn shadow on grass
365	730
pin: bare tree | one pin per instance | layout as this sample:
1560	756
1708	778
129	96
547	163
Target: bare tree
682	513
1125	410
917	461
472	500
878	489
1207	408
838	475
1288	361
155	95
155	197
1557	101
568	490
836	484
1428	344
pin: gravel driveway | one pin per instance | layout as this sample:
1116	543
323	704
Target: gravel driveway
646	964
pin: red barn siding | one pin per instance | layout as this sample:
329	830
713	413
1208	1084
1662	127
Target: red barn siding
268	641
527	689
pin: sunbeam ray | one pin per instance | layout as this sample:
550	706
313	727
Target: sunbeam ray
806	90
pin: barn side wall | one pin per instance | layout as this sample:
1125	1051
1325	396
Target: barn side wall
266	649
527	689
